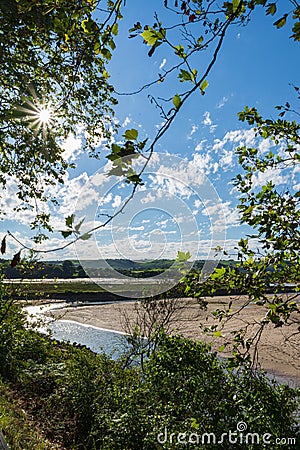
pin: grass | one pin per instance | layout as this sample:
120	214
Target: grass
17	426
44	289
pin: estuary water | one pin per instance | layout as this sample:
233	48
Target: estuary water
97	339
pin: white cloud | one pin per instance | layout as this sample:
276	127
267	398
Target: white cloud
75	194
72	148
296	187
202	161
222	102
163	63
162	224
238	137
140	228
265	145
106	199
208	122
274	175
149	198
226	160
221	215
193	131
200	145
215	167
207	119
117	201
126	122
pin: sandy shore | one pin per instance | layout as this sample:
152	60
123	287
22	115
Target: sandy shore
278	349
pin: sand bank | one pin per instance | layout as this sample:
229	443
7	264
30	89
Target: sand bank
278	350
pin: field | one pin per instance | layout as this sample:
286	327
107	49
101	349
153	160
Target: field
74	289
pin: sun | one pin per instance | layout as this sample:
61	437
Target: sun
40	116
45	116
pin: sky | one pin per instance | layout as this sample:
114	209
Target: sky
188	201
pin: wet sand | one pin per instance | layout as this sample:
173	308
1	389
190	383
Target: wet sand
278	349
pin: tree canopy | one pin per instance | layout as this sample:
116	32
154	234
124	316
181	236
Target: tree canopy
53	84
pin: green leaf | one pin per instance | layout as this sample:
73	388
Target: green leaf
296	30
179	51
194	74
203	86
106	54
176	101
218	273
97	48
115	29
221	348
182	256
280	22
133	178
89	26
131	135
195	424
217	333
66	233
77	227
271	9
70	220
235	5
184	75
150	36
16	114
85	236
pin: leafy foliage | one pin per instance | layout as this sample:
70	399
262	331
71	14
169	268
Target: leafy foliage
268	260
53	84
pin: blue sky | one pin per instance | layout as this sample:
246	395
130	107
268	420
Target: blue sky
188	202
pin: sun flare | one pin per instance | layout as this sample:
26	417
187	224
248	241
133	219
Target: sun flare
40	116
45	115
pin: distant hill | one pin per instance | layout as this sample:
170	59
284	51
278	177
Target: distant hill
95	268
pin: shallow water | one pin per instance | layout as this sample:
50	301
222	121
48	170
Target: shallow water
97	339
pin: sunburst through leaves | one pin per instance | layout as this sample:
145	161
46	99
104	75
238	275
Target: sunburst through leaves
39	115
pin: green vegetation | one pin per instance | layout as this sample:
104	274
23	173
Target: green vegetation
97	268
59	396
54	57
42	289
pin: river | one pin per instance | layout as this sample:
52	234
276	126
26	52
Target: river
97	339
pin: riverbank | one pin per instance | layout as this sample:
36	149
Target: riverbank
278	350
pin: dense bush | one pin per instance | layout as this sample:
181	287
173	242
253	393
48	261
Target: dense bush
185	389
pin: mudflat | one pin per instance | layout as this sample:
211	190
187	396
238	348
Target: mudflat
278	348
